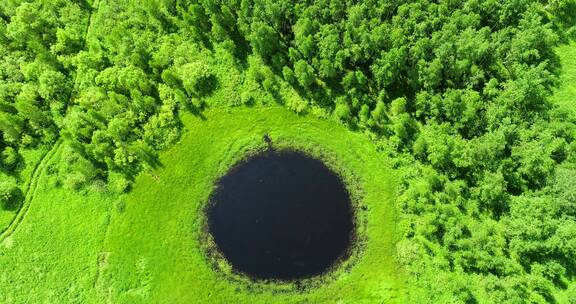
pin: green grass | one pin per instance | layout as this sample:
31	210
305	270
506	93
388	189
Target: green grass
31	159
156	255
29	188
52	256
145	247
565	95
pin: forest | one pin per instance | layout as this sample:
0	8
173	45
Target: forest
458	95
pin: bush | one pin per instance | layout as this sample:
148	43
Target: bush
75	181
342	111
77	170
198	79
118	183
571	295
10	195
9	159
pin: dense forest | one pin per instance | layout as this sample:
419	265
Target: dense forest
455	92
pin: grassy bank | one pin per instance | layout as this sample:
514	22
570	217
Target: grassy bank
153	241
53	255
31	159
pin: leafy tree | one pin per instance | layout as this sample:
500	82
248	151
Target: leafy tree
342	111
10	194
197	79
9	159
304	73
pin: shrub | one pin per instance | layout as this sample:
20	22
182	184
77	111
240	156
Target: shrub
10	194
9	159
198	79
118	183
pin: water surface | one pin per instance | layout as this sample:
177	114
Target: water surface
281	215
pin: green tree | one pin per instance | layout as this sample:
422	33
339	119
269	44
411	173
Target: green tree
9	159
304	73
197	79
10	194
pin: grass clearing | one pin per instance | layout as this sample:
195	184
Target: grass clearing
32	159
52	256
155	253
565	95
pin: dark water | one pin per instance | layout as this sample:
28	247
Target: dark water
281	215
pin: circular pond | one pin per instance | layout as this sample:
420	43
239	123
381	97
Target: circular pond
281	215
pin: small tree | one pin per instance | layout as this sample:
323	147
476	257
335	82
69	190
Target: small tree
10	194
304	73
342	111
9	159
198	79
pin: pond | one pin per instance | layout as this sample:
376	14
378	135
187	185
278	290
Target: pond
281	215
